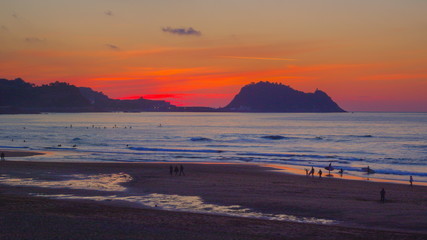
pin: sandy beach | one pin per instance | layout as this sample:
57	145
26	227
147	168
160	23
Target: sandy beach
353	207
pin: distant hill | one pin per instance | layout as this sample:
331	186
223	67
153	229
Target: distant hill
18	96
274	97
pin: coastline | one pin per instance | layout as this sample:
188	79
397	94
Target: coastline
354	205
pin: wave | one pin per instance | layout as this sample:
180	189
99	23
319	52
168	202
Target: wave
273	137
305	157
203	139
400	172
362	136
175	150
77	139
60	148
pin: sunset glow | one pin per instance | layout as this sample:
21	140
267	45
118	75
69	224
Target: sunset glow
366	56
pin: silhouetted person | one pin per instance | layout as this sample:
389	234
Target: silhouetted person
411	180
306	172
2	156
171	170
382	193
341	172
181	170
176	170
320	173
312	171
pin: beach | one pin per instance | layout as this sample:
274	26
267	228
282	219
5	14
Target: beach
326	208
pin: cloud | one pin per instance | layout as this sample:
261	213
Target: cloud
182	31
15	15
32	40
4	28
109	13
260	58
112	47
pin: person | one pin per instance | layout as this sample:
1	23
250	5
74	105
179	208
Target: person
312	171
306	172
320	173
171	170
411	180
341	172
382	193
181	170
176	170
2	156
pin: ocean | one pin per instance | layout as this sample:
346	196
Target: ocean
394	145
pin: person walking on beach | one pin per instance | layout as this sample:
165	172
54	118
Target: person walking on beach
176	170
181	170
306	172
411	180
382	193
341	172
171	170
312	171
2	156
320	173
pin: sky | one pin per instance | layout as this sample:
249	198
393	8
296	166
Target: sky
366	55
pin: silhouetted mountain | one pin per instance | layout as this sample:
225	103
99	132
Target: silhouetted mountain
18	96
274	97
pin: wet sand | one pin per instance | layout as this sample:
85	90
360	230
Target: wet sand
14	154
354	205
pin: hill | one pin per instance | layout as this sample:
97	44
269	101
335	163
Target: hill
18	96
274	97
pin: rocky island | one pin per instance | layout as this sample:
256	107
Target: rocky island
276	97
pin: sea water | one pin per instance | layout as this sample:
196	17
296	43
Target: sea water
392	144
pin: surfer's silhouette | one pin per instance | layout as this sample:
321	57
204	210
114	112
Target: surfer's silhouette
382	193
181	170
312	171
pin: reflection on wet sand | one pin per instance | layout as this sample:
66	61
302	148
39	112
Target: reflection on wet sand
113	183
100	182
192	204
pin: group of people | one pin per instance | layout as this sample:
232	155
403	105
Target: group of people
177	170
382	192
311	172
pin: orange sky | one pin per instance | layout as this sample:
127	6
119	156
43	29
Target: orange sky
368	56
